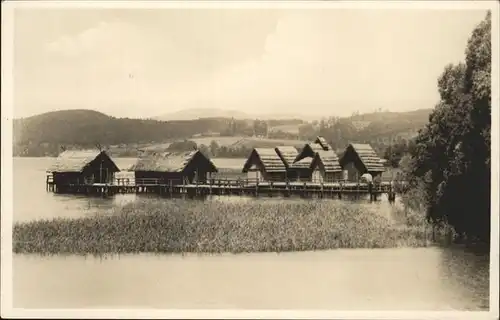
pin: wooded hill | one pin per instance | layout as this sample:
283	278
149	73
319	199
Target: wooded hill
44	134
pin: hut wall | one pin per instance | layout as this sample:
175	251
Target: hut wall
293	174
99	174
163	177
261	175
198	174
201	176
253	162
147	175
345	175
198	169
304	175
255	175
353	173
173	178
65	178
275	176
299	174
317	176
333	176
100	170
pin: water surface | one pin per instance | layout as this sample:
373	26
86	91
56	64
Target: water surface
354	279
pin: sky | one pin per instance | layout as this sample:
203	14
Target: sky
149	62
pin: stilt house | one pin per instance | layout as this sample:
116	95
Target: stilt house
264	164
359	159
318	159
174	168
325	167
287	155
83	167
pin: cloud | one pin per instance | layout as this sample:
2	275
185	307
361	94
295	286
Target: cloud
292	53
300	60
305	62
354	61
149	65
113	63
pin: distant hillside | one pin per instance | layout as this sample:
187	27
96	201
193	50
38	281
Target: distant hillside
44	134
379	129
420	115
197	113
192	114
393	124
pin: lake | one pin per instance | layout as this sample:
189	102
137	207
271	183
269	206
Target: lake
349	279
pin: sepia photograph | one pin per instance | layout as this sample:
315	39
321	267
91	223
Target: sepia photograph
242	159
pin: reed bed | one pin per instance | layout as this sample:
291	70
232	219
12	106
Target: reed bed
179	226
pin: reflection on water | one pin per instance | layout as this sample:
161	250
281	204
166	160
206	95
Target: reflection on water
32	201
354	279
359	279
467	275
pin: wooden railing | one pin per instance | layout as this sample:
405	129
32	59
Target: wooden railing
239	182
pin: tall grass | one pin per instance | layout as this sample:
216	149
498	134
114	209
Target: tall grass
414	207
216	227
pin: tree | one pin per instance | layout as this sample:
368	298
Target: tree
307	131
452	153
260	127
395	152
214	148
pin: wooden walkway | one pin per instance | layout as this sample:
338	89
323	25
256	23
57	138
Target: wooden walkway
224	187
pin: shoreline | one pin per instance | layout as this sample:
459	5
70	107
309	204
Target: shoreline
222	255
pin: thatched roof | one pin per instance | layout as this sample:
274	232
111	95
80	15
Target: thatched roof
167	161
287	154
368	157
309	150
304	163
323	143
269	158
78	160
315	147
329	160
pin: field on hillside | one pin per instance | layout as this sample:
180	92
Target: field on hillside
221	141
287	128
248	142
230	142
234	142
267	143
